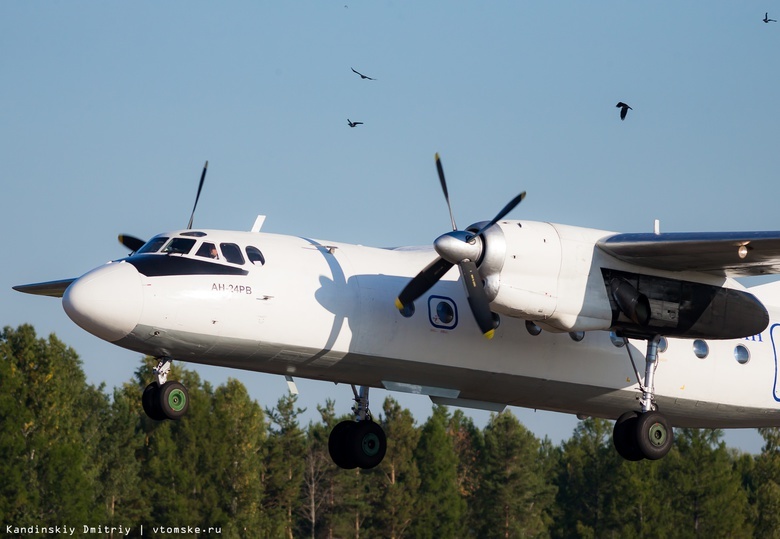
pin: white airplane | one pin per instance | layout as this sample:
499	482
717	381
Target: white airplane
566	311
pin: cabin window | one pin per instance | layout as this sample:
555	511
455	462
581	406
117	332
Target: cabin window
445	313
232	253
701	348
663	345
254	255
408	310
208	250
617	341
741	354
152	246
179	246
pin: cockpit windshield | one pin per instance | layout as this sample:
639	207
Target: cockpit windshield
153	245
178	246
224	252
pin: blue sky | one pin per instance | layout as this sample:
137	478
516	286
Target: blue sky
109	109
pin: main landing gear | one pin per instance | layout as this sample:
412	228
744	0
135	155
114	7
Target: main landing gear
646	434
163	399
360	443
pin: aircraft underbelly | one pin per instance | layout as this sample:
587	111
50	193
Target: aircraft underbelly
561	392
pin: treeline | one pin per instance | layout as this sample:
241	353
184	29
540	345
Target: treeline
70	454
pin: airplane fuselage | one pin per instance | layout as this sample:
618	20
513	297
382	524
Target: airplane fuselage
325	311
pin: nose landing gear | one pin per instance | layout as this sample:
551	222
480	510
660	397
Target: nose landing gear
360	443
163	399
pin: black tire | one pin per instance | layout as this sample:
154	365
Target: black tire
338	445
367	444
654	435
150	402
624	437
173	400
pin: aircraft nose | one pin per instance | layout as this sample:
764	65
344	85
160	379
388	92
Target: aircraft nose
107	301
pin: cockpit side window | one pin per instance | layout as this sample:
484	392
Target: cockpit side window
208	250
152	246
254	255
179	246
232	253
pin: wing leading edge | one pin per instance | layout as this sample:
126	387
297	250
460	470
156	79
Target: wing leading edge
54	289
730	254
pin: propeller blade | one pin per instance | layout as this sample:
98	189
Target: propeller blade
200	186
509	207
422	282
131	242
443	182
478	301
462	248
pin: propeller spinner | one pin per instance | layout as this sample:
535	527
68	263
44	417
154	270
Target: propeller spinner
463	248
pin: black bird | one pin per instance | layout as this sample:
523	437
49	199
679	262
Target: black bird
362	76
767	19
353	124
623	110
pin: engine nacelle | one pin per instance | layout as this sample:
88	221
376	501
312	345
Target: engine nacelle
556	276
546	277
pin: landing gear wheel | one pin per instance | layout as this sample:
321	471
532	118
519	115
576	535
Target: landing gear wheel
150	402
357	444
367	443
624	437
654	435
338	446
173	399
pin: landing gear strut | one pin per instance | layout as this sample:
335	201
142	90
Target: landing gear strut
646	434
360	443
163	399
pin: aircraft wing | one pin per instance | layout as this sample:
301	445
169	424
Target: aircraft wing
731	254
54	289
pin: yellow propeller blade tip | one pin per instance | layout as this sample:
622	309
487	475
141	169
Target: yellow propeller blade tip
399	305
489	334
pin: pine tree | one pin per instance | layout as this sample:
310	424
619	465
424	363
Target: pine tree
120	469
395	482
767	485
705	492
441	507
284	467
319	477
239	432
586	480
514	497
468	444
50	421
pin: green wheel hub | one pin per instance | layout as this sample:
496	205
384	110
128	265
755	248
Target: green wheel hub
658	434
370	444
177	400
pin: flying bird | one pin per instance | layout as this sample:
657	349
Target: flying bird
353	124
623	110
362	76
767	19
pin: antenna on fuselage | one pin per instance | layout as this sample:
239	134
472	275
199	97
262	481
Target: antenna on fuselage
200	186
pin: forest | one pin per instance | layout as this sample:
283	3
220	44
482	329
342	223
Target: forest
75	455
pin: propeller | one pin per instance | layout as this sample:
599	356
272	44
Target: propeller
463	248
133	243
200	186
